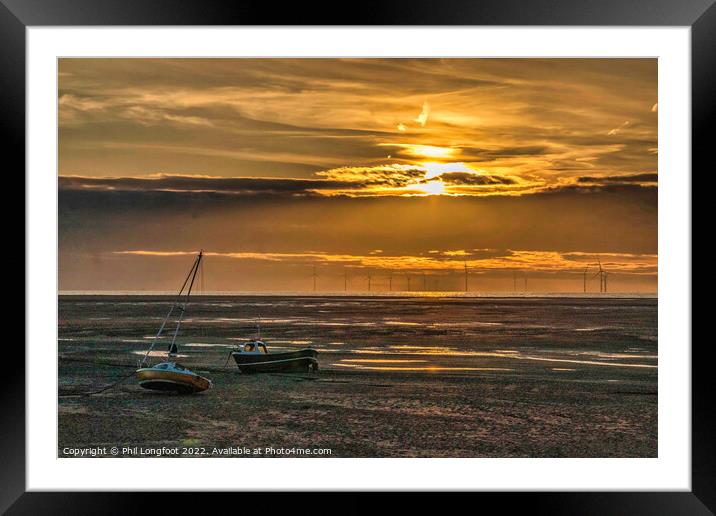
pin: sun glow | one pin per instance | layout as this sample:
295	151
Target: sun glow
432	187
424	151
434	169
430	151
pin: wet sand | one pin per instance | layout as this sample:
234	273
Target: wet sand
485	400
370	414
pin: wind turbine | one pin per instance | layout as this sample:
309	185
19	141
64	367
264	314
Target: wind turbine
315	275
602	276
465	263
345	279
390	281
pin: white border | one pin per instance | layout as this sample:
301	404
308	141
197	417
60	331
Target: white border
671	471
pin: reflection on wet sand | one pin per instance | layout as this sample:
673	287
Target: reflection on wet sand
162	354
428	368
380	360
506	354
205	345
588	362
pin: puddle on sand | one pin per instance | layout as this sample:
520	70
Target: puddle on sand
513	355
466	324
587	362
158	354
381	361
205	345
426	369
336	323
600	354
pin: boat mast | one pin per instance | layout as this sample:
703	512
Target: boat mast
195	269
171	310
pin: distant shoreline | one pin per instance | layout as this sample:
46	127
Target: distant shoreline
402	295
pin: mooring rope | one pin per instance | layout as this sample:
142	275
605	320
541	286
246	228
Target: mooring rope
228	357
124	378
91	393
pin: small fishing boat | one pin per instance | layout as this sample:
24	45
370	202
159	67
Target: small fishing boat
253	357
170	376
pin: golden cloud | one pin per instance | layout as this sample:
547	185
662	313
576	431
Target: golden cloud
450	260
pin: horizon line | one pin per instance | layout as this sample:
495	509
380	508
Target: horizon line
361	293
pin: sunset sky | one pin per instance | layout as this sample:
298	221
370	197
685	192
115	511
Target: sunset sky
517	168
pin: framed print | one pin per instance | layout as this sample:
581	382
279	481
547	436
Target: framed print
445	253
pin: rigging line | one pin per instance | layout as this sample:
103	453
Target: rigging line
171	310
186	299
202	278
202	329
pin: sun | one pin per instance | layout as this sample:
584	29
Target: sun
431	151
434	169
432	187
424	151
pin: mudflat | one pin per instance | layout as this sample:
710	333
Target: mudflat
411	377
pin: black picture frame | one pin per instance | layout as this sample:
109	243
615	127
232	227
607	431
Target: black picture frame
700	15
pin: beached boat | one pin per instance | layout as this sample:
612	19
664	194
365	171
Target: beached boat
253	357
173	377
170	376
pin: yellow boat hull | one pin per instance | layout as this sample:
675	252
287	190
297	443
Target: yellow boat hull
172	381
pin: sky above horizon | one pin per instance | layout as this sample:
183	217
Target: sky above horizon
406	168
